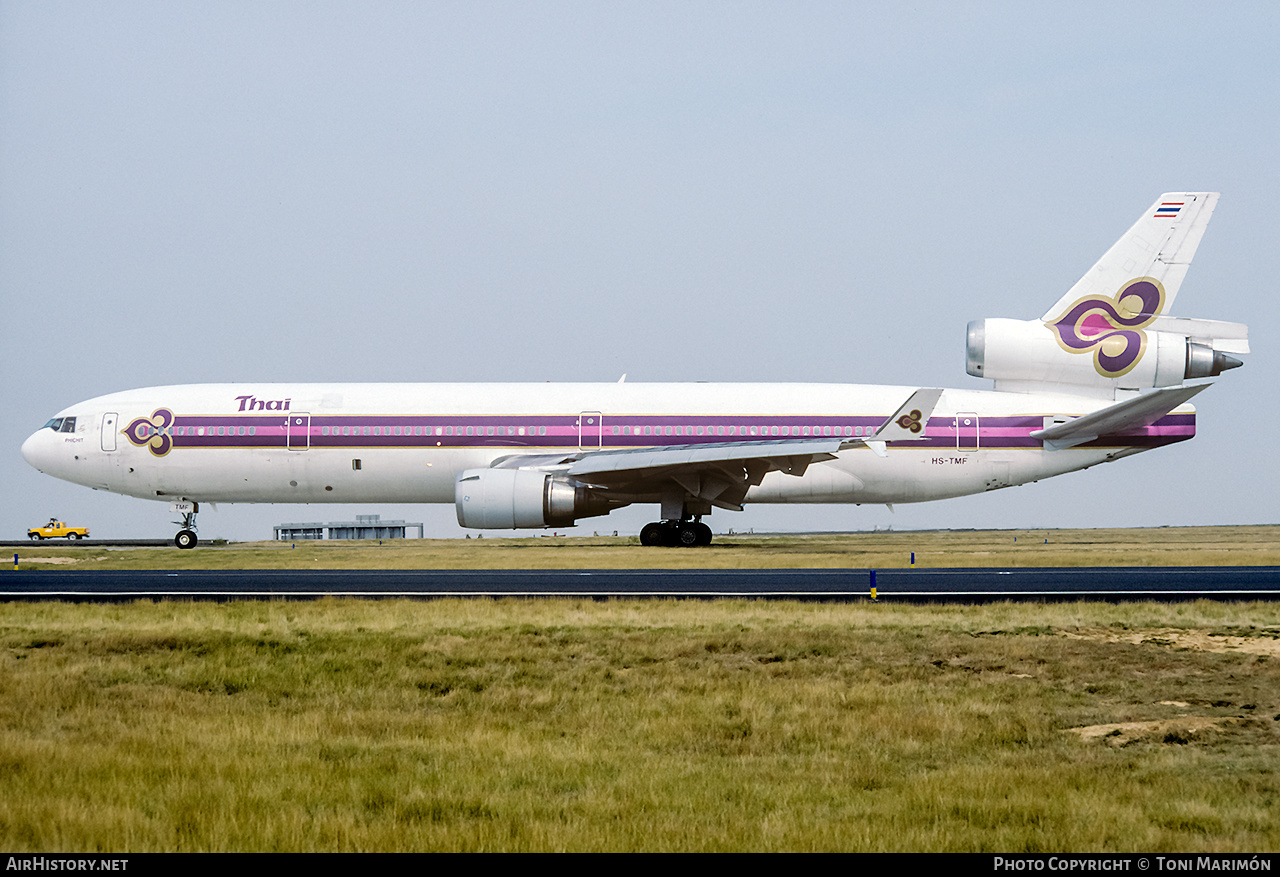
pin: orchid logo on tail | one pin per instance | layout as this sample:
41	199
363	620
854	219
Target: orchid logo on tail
911	421
152	431
1111	328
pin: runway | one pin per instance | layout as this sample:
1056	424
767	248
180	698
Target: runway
908	585
87	543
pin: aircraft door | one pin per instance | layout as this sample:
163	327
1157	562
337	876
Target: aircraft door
966	431
298	431
590	430
109	421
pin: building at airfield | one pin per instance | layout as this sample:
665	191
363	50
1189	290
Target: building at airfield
363	527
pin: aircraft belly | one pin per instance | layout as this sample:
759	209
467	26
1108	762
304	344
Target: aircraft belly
907	475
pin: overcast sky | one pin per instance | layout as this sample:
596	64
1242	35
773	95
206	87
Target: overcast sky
198	192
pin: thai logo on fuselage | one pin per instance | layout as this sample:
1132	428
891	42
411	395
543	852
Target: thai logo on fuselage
153	431
1112	328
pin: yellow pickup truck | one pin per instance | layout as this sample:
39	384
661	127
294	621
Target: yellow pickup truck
56	529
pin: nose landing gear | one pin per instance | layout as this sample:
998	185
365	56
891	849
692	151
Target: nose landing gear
186	537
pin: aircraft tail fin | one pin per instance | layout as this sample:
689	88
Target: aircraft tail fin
1159	246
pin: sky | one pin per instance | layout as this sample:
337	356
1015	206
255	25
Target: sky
428	191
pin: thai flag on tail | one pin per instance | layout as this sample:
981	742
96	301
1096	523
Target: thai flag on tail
1168	209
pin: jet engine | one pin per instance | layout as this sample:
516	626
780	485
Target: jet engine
516	499
1029	354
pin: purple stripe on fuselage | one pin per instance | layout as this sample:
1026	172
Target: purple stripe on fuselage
563	431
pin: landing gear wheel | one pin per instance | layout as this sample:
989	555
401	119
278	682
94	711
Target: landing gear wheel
687	535
653	534
691	534
679	534
185	539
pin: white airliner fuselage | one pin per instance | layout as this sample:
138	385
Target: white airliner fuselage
410	442
531	455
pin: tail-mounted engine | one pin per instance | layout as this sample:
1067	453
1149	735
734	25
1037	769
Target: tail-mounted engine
517	499
1091	351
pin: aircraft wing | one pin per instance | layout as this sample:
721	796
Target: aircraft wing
1131	414
721	473
782	454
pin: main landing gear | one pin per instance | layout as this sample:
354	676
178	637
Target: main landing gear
186	537
681	534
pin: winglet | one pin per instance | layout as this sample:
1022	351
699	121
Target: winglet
909	421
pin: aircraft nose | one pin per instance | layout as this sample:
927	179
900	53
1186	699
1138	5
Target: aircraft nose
37	450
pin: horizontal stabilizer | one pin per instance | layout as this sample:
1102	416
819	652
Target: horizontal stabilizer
1126	416
1221	336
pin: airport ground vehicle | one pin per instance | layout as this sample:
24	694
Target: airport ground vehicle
56	529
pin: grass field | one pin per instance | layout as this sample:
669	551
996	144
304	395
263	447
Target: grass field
659	725
647	725
1163	546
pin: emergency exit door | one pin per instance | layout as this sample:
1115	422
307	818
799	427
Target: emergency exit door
298	431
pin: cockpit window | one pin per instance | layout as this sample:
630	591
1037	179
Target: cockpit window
55	424
68	424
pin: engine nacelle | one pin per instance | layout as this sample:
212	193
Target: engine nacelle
518	499
1018	353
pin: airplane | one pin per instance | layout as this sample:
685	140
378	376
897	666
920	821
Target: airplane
1100	376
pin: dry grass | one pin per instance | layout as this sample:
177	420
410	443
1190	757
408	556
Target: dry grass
1164	546
622	725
